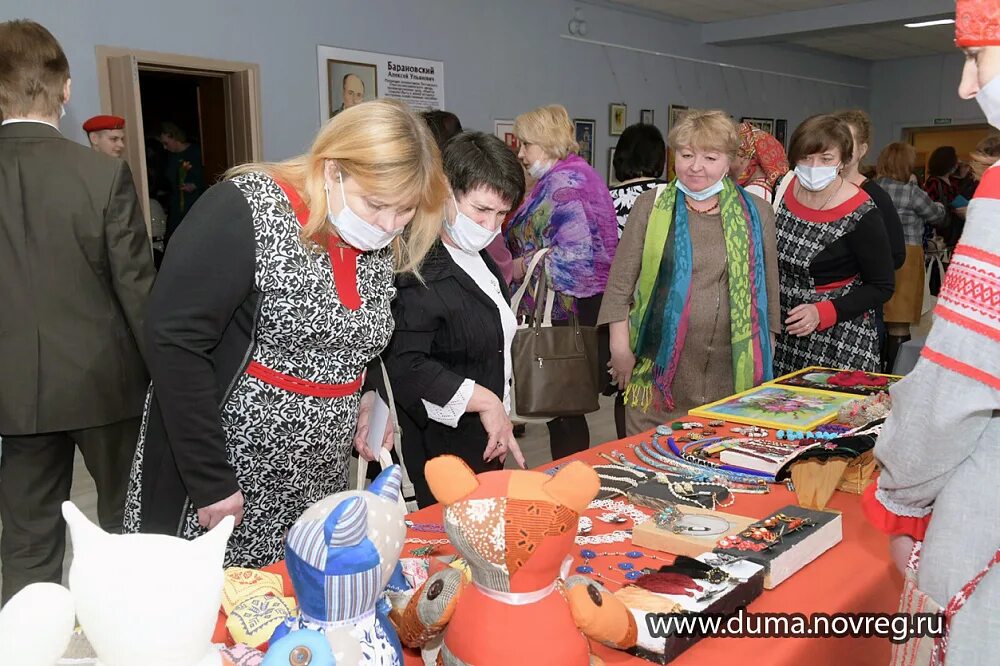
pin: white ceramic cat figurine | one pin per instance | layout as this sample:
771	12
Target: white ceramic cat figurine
146	598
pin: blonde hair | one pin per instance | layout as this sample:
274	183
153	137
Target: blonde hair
388	149
705	130
896	162
548	127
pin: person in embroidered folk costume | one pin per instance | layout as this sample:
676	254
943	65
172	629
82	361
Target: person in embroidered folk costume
263	321
940	466
516	530
760	162
692	298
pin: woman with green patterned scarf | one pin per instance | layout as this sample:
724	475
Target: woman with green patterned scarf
692	298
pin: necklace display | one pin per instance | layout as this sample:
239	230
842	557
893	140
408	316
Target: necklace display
673	519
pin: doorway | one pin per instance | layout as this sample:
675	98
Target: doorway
925	139
215	103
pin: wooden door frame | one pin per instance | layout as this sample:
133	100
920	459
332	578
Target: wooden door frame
243	97
907	132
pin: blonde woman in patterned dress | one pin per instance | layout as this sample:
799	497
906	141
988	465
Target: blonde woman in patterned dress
272	300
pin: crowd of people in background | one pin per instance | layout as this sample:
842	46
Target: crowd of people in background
398	238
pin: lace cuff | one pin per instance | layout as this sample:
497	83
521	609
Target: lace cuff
450	413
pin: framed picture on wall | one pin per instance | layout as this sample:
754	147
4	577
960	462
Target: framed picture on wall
612	181
765	124
676	111
618	118
780	131
350	83
646	116
504	130
584	129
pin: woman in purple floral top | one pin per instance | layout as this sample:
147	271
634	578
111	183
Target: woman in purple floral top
570	212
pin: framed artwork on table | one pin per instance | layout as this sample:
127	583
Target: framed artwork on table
612	181
618	118
584	130
830	380
781	132
646	116
504	130
765	124
780	407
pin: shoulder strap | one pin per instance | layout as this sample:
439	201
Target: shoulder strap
779	194
385	457
528	272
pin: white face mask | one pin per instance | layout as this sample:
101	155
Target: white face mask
467	235
988	99
539	169
353	229
706	193
815	179
62	111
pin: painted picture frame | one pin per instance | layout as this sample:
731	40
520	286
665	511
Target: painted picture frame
584	129
781	132
504	130
646	116
817	378
612	181
765	124
350	83
617	118
779	407
674	113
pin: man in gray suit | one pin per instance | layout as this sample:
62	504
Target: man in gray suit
75	272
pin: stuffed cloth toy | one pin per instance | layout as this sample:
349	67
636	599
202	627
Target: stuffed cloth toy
143	599
516	530
340	555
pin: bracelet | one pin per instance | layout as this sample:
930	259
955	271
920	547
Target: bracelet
618	536
429	542
637	516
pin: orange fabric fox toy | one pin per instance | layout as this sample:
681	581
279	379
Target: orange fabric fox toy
516	530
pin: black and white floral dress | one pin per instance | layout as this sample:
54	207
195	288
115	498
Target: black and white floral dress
259	343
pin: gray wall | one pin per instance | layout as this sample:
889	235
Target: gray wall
502	57
912	92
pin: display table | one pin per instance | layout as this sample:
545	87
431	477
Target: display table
856	576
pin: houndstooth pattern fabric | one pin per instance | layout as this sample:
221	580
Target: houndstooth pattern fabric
848	344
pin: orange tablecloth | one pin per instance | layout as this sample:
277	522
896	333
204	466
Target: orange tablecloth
856	576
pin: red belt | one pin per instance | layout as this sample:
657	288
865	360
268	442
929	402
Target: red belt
303	386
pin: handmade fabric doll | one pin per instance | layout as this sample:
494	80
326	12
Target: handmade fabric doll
516	530
340	554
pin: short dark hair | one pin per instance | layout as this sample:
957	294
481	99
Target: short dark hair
942	161
444	125
33	70
819	133
478	159
641	153
173	131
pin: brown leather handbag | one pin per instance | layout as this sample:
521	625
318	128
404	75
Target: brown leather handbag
555	367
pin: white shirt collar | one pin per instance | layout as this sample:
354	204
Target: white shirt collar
11	121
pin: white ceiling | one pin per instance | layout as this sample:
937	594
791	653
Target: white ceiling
868	42
883	42
705	11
